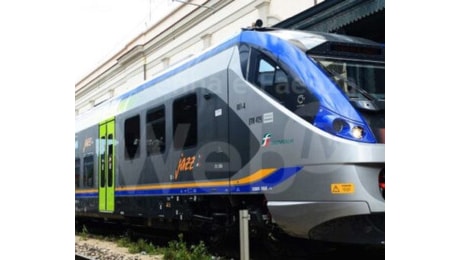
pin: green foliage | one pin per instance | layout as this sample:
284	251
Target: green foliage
143	246
199	251
140	246
123	242
84	233
178	250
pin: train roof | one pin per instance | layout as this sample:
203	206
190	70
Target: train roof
305	40
308	40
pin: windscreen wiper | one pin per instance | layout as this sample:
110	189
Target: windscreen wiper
353	85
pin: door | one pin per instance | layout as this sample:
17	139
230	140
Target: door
106	163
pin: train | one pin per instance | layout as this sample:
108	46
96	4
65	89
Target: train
287	124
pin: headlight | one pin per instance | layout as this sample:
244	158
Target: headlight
357	132
339	126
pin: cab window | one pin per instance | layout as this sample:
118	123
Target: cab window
275	80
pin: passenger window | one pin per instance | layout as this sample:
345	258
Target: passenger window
185	121
132	137
156	131
77	173
88	171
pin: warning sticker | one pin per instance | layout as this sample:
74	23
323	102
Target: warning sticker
342	188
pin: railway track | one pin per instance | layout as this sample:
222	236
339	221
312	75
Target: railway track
287	248
82	257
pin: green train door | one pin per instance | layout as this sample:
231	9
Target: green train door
106	167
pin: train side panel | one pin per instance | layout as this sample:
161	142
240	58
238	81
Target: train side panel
86	196
188	114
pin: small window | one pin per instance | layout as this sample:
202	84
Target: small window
88	171
77	173
132	137
185	121
244	57
102	162
156	131
110	160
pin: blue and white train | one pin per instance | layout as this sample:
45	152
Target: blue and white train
287	124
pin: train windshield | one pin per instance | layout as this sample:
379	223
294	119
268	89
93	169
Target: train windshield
358	79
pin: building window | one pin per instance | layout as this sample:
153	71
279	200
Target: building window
156	130
132	137
185	121
88	171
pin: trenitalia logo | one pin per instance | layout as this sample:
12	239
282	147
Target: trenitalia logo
266	140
